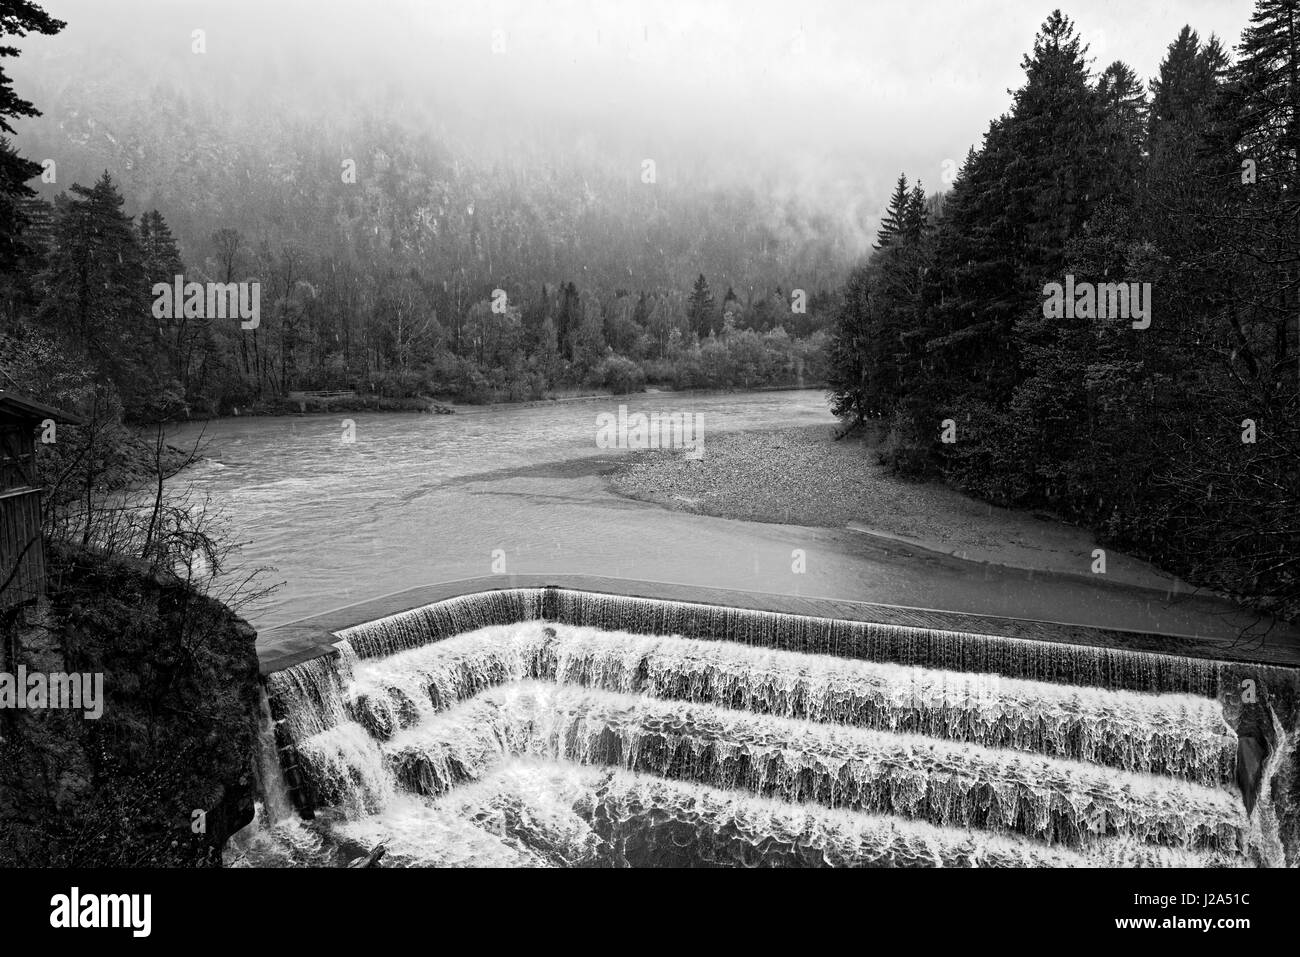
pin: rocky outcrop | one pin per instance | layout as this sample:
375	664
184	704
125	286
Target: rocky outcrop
164	776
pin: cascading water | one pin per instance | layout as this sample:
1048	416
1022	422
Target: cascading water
549	728
276	836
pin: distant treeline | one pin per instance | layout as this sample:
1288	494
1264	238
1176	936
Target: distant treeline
1179	441
80	304
379	248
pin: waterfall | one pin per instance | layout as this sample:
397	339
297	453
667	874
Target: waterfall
455	616
1051	661
1265	829
533	813
947	650
1182	735
275	834
911	776
543	727
276	804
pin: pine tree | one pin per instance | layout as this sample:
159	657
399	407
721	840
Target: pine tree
1268	74
731	309
895	218
1036	180
699	308
158	250
17	19
97	295
848	370
1123	132
179	337
568	319
914	216
1267	104
1177	94
641	314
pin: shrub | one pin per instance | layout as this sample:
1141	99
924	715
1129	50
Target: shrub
620	375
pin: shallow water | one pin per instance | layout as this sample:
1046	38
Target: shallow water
418	499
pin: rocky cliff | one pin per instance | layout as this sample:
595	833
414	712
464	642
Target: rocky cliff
164	775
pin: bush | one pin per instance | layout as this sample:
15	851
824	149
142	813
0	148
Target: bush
905	450
620	375
987	460
399	384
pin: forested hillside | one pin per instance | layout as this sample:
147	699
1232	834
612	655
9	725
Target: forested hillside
381	235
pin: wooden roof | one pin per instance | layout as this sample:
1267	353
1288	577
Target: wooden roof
15	406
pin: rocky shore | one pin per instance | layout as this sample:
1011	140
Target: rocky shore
803	476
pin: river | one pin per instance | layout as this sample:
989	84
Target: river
416	499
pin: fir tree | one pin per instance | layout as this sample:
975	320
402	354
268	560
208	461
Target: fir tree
158	250
97	294
17	19
847	374
895	218
914	216
568	319
699	308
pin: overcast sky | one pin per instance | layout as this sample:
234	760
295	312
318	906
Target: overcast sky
837	95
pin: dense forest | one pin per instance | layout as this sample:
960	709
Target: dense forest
1176	437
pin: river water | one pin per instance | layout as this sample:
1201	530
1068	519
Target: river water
417	499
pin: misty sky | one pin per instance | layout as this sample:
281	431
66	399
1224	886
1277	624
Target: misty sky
881	86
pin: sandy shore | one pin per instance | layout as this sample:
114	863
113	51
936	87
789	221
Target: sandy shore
804	477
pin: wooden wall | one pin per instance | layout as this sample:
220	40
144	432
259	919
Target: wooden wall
21	547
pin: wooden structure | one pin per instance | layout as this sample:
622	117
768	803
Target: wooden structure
22	550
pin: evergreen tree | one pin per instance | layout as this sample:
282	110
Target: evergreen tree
915	215
895	218
180	337
699	308
847	372
1178	93
569	318
1123	132
158	250
1267	107
641	314
97	295
18	18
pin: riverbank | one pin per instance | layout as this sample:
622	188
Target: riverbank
332	405
803	476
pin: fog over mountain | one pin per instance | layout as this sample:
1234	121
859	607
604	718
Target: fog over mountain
816	108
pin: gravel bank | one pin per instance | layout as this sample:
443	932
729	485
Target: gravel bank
803	476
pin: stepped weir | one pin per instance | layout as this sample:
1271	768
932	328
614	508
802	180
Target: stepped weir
600	722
